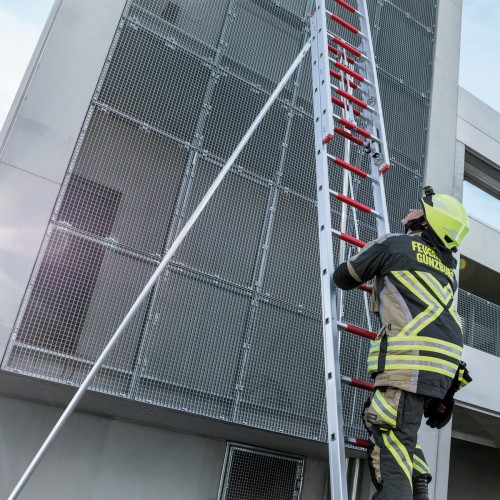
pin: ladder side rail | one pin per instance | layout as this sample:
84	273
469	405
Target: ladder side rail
378	165
323	131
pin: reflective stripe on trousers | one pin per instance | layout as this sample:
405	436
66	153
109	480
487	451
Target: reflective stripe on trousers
394	454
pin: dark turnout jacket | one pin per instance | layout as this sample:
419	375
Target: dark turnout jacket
420	343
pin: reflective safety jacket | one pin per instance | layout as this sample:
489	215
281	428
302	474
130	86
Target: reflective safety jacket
419	346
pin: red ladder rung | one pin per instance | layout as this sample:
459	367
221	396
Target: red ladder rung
348	166
353	203
349	239
333	49
349	71
341	104
364	443
365	288
346	46
353	99
385	168
354	382
347	6
345	24
353	126
348	136
338	76
356	330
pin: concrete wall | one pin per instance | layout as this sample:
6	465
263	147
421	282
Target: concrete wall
96	458
440	174
41	132
440	162
102	458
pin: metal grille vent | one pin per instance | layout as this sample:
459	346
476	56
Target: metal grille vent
256	474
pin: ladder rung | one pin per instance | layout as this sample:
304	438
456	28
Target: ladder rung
365	288
356	330
348	166
347	6
353	203
333	49
385	168
347	46
364	443
353	126
354	382
349	239
338	76
350	72
353	99
343	23
341	104
348	136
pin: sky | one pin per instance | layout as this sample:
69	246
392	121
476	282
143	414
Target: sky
21	22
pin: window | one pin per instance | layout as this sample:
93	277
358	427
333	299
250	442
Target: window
481	196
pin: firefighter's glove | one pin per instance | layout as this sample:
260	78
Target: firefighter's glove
438	411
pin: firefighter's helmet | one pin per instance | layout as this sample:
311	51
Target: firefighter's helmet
446	216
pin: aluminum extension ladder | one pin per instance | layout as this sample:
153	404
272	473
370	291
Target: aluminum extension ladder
347	108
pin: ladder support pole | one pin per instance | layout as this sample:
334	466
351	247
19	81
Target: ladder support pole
114	339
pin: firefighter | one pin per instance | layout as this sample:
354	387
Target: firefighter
416	357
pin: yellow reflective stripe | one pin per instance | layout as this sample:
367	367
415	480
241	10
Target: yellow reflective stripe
412	344
437	341
419	338
434	309
445	293
455	315
420	359
420	465
383	408
422	363
399	452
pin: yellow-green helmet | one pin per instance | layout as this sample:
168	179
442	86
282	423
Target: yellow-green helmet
447	217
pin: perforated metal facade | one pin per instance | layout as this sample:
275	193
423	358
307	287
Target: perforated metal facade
232	330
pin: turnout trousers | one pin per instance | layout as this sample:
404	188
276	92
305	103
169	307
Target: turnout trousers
393	417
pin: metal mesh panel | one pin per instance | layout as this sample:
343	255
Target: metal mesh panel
232	329
190	357
255	474
397	49
146	169
282	381
480	321
422	12
235	104
290	276
227	250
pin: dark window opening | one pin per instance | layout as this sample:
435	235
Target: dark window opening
170	12
61	296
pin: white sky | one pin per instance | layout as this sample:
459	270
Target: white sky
21	22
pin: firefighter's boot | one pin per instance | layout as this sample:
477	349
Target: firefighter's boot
420	487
